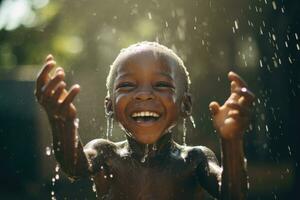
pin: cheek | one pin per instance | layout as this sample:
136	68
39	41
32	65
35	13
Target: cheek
119	105
172	103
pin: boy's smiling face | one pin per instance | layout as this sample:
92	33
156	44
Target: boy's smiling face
145	99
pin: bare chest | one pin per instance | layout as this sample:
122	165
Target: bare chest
127	178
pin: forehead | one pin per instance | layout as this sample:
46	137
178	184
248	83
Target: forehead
149	61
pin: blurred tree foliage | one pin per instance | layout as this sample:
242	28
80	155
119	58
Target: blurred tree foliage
257	38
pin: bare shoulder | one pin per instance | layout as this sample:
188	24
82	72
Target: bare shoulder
198	153
100	151
103	147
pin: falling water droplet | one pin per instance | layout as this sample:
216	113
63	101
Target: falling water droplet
56	168
236	24
149	15
111	175
260	63
289	149
48	151
274	5
193	121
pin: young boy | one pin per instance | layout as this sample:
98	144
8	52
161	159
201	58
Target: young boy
148	95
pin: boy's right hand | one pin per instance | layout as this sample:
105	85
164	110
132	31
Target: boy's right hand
51	93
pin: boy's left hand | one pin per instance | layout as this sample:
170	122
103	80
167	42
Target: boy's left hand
232	118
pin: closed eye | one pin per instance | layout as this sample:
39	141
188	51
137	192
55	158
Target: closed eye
164	85
125	85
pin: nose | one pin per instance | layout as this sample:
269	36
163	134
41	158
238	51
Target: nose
144	94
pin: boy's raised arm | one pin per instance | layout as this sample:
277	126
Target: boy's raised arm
57	102
231	120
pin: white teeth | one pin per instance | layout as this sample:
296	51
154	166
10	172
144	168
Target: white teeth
145	114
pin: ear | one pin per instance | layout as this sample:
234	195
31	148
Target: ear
108	106
186	105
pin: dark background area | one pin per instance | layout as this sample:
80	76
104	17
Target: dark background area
259	39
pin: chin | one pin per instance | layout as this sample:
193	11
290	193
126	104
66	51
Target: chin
147	138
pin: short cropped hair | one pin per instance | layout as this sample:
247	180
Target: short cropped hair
157	49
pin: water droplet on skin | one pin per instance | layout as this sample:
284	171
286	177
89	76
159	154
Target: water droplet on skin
48	151
94	187
111	175
184	132
76	123
154	147
105	176
145	153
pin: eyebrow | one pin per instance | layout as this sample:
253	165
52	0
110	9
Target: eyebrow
126	74
123	75
166	75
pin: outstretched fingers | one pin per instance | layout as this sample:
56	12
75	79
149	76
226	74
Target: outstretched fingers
44	77
67	109
239	91
237	110
237	79
59	92
214	107
246	96
50	87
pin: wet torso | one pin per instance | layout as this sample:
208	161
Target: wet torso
129	171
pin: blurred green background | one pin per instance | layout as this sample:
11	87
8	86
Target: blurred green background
259	39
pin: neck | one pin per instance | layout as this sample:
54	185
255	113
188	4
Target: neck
144	152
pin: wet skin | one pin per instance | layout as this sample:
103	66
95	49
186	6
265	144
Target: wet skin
146	83
169	171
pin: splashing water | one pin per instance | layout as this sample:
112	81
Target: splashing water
184	132
193	121
154	147
109	126
48	151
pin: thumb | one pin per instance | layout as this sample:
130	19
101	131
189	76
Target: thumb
214	107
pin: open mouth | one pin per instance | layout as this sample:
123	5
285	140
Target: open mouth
145	116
